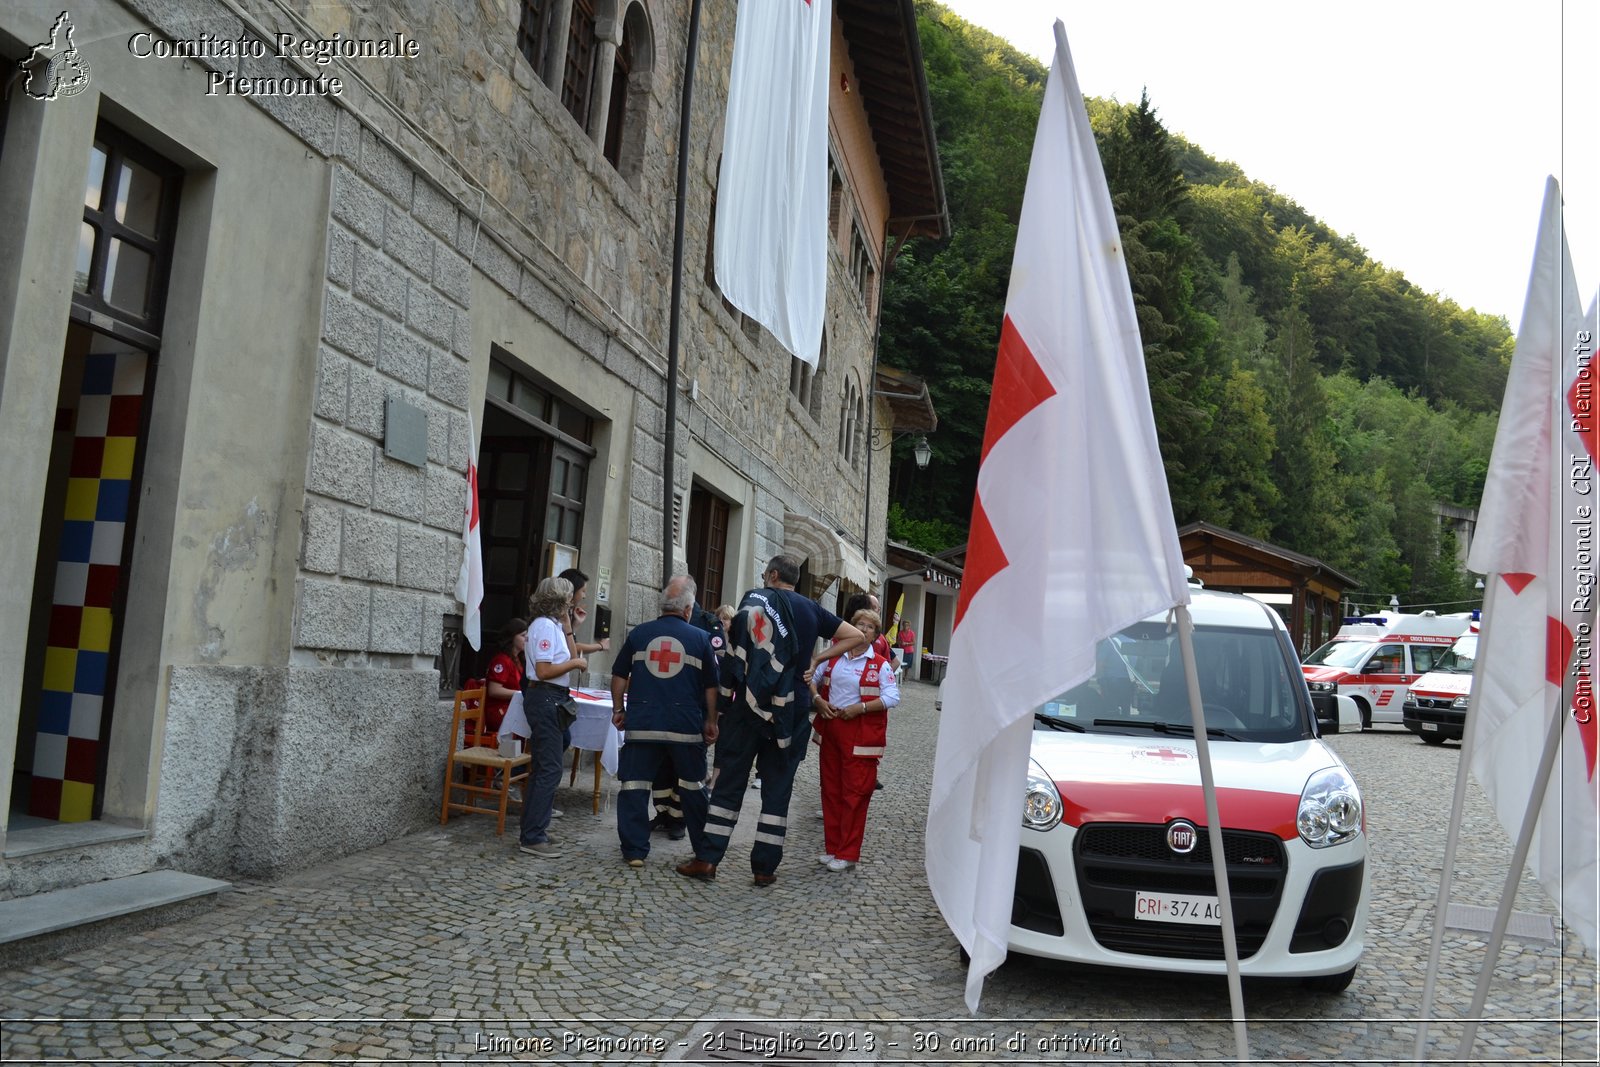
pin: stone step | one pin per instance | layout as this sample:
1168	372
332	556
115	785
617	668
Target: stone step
46	925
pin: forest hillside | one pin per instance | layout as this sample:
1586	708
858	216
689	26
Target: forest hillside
1303	393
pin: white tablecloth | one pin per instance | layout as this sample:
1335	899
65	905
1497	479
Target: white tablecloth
592	731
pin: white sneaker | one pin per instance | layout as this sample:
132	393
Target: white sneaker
837	865
755	783
825	859
819	813
555	813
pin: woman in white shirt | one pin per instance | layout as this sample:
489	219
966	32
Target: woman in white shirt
852	695
550	664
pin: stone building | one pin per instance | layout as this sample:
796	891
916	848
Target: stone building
269	270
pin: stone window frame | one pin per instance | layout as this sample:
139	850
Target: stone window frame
802	380
607	45
852	414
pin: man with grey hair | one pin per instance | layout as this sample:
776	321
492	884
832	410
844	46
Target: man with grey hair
664	690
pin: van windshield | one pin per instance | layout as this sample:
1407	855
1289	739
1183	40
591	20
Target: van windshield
1460	657
1248	685
1339	654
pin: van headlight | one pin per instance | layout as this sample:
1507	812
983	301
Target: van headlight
1041	804
1459	703
1330	809
1322	687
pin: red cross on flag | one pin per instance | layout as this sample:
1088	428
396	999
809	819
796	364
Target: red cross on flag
1072	536
1535	543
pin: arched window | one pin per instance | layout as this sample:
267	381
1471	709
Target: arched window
628	105
850	421
803	376
617	105
603	72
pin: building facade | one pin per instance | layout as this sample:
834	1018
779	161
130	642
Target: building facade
272	271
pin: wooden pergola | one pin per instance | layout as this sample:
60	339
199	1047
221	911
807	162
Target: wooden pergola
1230	561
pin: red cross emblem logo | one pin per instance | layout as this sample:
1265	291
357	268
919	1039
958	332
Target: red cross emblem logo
758	626
1166	755
665	658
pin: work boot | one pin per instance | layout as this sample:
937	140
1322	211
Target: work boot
705	872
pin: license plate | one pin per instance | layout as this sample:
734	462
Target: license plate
1174	908
1429	725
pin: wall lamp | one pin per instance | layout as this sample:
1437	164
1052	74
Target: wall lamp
922	452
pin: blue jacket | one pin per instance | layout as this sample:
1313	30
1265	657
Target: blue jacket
762	674
669	666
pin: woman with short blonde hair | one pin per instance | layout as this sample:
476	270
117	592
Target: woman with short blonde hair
852	695
545	690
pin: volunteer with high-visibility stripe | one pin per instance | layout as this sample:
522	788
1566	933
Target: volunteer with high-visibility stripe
852	696
664	690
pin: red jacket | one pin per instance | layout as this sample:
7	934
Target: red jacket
505	670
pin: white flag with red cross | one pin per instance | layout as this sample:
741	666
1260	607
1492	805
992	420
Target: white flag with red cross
469	583
1072	536
1535	542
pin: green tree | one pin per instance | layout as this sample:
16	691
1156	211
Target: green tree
1301	392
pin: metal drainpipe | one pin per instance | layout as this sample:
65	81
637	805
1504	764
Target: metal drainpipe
670	440
872	396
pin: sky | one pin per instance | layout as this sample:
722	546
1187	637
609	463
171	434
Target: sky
1422	129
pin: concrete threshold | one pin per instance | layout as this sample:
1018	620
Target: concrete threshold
59	837
45	913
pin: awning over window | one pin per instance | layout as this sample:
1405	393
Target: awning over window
826	553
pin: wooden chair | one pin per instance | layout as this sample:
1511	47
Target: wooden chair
466	727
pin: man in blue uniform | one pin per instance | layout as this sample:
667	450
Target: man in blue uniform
664	690
772	650
664	790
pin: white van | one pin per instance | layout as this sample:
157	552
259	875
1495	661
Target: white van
1436	708
1114	867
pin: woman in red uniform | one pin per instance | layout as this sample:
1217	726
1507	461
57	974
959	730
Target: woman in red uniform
503	679
852	695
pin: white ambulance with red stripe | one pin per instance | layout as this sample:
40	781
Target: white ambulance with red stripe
1375	659
1436	708
1114	866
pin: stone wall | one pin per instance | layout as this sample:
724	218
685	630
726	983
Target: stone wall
382	538
265	770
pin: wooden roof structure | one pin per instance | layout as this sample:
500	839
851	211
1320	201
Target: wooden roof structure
910	406
1230	561
883	43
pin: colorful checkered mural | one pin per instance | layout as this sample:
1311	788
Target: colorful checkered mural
77	656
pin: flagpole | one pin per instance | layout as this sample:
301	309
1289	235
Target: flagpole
1458	802
670	436
1519	860
1219	859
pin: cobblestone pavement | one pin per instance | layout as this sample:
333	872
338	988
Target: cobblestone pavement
451	945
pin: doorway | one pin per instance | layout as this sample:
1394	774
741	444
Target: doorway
533	481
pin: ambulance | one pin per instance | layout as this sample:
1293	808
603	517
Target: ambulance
1436	709
1375	659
